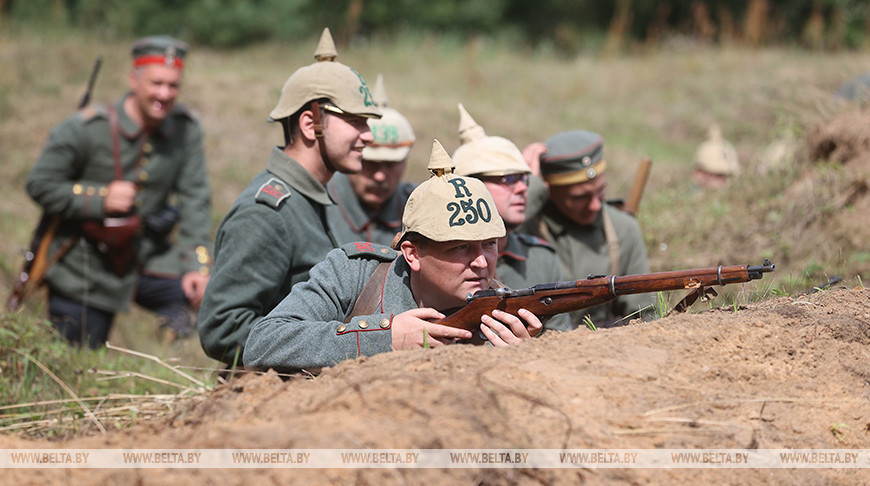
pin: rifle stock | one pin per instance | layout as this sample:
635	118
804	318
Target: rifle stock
557	297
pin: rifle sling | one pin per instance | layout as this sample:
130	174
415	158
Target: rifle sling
370	297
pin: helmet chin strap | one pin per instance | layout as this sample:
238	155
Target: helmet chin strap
318	134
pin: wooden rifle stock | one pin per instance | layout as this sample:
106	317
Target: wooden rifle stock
640	179
558	297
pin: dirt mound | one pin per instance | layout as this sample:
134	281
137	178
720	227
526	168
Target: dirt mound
784	373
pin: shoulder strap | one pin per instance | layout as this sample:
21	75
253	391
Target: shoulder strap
612	243
368	299
116	142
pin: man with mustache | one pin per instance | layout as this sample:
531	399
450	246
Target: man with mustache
111	170
591	237
277	228
447	249
523	260
368	204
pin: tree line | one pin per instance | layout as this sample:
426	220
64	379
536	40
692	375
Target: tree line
568	26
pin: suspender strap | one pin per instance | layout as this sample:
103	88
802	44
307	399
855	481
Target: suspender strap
370	297
612	244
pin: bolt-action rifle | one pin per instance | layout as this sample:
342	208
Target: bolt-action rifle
554	298
36	258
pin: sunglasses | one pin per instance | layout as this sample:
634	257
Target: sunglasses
508	179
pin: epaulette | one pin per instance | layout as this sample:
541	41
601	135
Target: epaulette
92	111
364	249
185	111
530	240
273	193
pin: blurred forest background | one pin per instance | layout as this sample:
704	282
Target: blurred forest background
566	26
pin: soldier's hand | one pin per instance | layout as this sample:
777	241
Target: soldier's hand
120	196
193	285
503	329
408	327
532	154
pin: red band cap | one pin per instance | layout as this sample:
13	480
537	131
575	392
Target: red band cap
158	59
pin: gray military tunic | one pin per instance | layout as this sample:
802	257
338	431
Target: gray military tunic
70	179
527	261
350	221
267	242
307	329
583	251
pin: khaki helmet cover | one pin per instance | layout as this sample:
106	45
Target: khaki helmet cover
484	155
716	156
448	207
393	135
325	78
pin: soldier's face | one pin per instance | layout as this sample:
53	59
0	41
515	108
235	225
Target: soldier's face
509	193
346	136
445	272
155	88
580	202
376	182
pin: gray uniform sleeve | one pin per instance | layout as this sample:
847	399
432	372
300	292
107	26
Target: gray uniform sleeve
307	330
54	180
248	279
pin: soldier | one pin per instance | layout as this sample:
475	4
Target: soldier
446	250
107	174
715	161
369	203
277	229
523	260
590	236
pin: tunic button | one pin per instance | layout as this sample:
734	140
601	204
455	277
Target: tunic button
143	176
144	161
104	191
146	148
385	323
90	191
77	189
341	328
385	250
363	324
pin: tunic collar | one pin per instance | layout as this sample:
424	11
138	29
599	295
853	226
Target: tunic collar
294	175
356	216
514	250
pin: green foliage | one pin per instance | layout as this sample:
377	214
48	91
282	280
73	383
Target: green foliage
568	26
588	322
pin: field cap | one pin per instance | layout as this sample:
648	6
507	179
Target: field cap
716	156
483	155
573	157
326	78
448	207
159	49
393	135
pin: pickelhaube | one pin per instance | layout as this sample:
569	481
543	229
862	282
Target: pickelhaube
326	78
393	135
573	157
485	155
716	156
448	207
159	49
